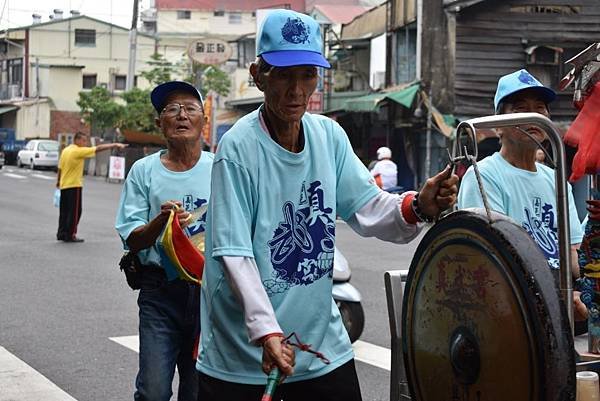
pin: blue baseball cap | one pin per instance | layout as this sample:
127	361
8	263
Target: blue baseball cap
518	81
160	94
287	38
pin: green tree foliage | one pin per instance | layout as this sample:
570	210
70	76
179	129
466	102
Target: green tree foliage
99	110
215	79
162	70
138	114
208	77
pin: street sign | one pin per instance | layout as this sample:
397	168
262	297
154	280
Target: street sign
209	51
315	103
116	168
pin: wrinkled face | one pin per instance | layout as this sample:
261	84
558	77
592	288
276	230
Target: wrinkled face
287	90
525	102
186	124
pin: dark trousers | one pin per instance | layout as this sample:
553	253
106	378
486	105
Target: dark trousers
169	328
338	385
70	213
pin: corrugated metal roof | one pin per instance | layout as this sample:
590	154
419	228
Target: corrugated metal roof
340	14
367	25
228	5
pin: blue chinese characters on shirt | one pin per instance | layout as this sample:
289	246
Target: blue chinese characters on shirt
302	245
540	225
195	230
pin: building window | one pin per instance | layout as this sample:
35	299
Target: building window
219	13
184	14
15	71
89	81
120	82
235	18
85	37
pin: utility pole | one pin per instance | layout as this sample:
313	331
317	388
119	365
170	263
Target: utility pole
428	135
132	48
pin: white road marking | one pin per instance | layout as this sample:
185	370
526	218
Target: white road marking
131	342
365	352
15	176
45	177
19	381
373	354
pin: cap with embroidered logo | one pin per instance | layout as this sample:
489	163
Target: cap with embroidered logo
287	38
518	81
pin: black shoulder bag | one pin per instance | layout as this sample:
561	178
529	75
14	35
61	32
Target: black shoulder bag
131	266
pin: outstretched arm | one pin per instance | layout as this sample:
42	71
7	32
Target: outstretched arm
107	146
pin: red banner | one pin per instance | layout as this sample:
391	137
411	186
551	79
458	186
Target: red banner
208	110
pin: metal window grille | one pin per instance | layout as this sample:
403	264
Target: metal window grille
184	14
85	37
89	81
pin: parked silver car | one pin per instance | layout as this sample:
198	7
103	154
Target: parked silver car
39	153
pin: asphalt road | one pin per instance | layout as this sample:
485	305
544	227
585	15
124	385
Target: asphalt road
61	302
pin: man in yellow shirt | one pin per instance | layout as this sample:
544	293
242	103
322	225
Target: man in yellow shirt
70	181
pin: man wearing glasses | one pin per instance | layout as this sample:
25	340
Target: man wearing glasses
177	178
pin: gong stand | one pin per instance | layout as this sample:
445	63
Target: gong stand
482	316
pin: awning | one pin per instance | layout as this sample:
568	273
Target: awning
6	109
369	103
364	103
404	96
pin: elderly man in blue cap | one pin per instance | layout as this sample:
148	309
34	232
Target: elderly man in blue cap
281	177
515	184
176	178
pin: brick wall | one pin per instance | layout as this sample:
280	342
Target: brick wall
65	122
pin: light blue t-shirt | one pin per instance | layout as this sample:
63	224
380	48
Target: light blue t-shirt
527	197
279	208
149	184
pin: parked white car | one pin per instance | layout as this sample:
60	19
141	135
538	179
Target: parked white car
39	153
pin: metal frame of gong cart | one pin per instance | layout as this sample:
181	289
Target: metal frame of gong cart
395	279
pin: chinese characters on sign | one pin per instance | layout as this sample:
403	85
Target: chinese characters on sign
209	51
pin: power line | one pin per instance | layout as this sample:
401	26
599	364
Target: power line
3	8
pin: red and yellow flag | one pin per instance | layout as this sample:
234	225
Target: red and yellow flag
182	253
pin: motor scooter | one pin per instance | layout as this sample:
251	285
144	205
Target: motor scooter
347	297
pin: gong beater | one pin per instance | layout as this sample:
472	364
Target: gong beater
483	316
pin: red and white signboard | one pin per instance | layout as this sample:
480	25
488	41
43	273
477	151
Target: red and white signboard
315	103
116	168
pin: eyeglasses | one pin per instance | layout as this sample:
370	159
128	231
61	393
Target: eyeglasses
173	109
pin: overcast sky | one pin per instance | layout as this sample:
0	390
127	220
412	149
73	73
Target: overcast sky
16	13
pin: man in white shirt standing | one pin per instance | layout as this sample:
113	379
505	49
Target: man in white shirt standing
385	169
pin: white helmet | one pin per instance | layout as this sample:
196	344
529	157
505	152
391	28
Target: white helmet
384	153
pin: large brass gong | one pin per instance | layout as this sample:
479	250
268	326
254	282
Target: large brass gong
483	317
